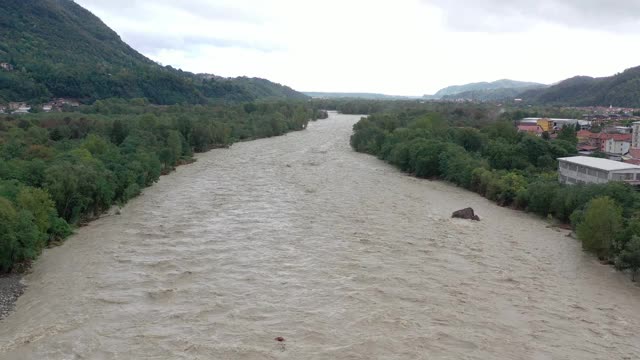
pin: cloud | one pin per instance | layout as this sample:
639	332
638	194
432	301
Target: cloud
152	43
154	26
403	47
520	15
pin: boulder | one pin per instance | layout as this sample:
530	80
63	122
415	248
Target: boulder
465	214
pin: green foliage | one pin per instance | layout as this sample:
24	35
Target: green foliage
630	256
569	133
621	90
600	226
59	49
509	168
58	169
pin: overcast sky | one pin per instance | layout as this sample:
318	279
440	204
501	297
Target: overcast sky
402	47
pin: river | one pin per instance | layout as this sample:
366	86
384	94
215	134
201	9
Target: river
338	253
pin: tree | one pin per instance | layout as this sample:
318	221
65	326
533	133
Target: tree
118	132
600	226
8	241
568	133
39	204
630	256
545	135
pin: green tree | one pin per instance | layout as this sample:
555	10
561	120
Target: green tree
8	241
600	226
630	256
39	204
568	133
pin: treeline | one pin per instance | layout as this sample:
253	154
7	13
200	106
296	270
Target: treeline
457	114
514	169
60	169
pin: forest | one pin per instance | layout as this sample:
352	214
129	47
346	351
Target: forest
490	157
57	49
59	170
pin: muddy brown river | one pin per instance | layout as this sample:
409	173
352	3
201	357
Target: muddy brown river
338	253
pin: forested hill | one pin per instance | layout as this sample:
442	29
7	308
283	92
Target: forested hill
483	87
622	89
56	48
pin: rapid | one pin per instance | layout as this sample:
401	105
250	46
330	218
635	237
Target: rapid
337	252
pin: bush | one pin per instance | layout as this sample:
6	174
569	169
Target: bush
600	226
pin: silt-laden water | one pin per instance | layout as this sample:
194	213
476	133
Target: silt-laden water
342	255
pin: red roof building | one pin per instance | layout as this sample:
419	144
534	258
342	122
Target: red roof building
531	129
599	140
583	135
634	153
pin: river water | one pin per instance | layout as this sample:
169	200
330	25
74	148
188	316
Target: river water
342	255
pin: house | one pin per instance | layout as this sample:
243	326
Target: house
531	129
599	140
632	157
590	170
635	131
615	146
583	136
586	149
62	102
23	109
6	66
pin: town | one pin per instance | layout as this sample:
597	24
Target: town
608	144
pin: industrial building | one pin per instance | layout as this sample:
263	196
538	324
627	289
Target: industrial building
590	170
551	124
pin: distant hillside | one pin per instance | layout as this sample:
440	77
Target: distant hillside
622	89
56	48
488	90
488	95
368	96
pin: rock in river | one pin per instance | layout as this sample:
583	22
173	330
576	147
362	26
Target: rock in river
465	214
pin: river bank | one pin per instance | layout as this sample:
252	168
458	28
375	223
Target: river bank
11	287
340	254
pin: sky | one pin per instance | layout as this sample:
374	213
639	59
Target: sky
398	47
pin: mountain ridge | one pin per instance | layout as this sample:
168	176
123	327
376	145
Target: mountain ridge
56	48
482	86
356	95
621	89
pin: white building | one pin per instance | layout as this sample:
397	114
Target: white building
635	139
590	170
24	109
617	147
559	123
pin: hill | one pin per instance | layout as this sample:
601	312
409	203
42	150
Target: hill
622	89
56	48
485	89
488	95
368	96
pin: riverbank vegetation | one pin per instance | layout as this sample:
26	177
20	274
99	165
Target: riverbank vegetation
58	170
513	169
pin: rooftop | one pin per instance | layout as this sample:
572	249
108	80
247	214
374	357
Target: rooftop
598	163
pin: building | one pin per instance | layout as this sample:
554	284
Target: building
6	66
549	124
531	129
24	109
635	132
583	136
590	170
617	147
600	140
